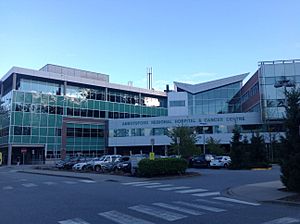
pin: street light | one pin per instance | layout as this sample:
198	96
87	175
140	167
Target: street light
203	133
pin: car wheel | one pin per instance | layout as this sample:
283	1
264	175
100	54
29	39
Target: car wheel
98	168
83	168
225	165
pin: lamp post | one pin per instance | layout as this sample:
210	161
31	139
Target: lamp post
203	136
178	143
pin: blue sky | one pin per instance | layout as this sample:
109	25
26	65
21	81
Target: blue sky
183	40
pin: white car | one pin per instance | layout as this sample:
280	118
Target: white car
85	165
220	161
98	165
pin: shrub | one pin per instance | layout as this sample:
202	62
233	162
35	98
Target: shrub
161	167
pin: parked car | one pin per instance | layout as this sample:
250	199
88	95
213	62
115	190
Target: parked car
68	163
114	166
201	160
220	161
103	163
86	165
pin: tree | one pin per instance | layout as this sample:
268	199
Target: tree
290	164
257	150
236	152
186	146
214	147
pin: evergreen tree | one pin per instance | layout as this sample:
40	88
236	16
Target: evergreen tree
290	164
236	152
258	150
186	146
214	147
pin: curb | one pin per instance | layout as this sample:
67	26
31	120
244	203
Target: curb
229	192
55	175
262	168
283	202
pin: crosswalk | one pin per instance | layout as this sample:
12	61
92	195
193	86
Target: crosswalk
163	187
25	184
171	212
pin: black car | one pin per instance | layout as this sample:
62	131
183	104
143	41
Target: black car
201	160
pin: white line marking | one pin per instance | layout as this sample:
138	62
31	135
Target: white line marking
180	209
214	202
157	186
159	213
88	181
123	218
145	184
207	194
284	220
29	185
7	188
73	221
208	208
172	188
191	191
236	201
131	183
49	183
69	182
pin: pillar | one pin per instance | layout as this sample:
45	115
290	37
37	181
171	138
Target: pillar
9	155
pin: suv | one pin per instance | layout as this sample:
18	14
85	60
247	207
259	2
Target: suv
201	161
101	164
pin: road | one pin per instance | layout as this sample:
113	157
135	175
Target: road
29	198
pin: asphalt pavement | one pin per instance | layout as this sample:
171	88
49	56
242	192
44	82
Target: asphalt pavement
215	196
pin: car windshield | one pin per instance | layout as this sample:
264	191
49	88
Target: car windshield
219	157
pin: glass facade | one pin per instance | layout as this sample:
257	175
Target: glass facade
271	75
34	114
214	101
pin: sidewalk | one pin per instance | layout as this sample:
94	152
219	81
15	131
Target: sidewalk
264	192
71	174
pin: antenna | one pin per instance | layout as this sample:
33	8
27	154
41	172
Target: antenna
149	78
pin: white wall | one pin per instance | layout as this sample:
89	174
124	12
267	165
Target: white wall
178	111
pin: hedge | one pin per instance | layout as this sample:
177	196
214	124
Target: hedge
161	167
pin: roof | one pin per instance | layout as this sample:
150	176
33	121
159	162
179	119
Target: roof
79	80
201	87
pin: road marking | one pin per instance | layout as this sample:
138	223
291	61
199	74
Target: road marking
180	209
214	202
236	201
87	181
29	185
121	218
208	208
162	185
73	221
7	188
172	188
191	191
23	180
207	194
131	183
145	184
49	183
284	220
157	212
69	182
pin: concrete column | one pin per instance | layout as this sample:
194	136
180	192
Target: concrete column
140	99
9	155
1	93
14	83
106	93
115	150
65	88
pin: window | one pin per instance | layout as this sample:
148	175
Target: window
177	103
